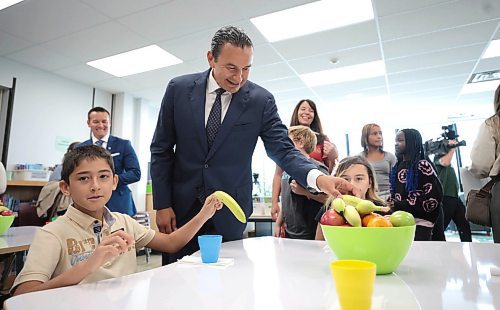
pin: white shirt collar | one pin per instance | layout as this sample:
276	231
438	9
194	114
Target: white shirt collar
212	85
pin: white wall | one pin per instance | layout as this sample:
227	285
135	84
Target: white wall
47	109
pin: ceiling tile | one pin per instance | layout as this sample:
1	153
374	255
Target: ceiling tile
464	12
97	42
271	72
441	40
390	7
439	58
48	19
84	73
328	41
42	58
347	57
118	8
10	43
431	73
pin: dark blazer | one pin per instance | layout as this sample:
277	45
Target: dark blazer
128	171
182	165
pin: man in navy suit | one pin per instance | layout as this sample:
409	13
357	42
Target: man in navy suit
124	158
188	163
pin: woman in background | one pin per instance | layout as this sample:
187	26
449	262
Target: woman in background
306	114
485	156
381	161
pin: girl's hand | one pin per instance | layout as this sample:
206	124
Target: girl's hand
211	205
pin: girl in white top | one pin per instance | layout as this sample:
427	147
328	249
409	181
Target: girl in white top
381	161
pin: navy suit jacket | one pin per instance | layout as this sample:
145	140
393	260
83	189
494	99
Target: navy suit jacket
182	164
128	171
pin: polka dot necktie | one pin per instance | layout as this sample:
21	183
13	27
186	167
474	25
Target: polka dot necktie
214	118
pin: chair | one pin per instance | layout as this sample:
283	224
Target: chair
142	217
469	181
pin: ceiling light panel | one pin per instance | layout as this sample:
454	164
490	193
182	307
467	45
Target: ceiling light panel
313	17
136	61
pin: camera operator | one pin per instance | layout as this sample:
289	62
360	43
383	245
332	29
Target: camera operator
453	207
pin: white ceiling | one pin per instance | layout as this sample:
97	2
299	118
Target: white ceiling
430	47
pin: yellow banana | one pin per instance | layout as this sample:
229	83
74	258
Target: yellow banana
366	206
352	216
232	205
351	200
338	204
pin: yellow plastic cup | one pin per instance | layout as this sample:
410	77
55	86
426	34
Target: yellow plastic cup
354	282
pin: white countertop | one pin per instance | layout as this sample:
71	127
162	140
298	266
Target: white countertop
272	273
17	239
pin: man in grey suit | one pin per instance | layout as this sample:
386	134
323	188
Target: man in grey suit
206	133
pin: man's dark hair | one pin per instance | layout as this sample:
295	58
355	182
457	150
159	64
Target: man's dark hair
229	34
75	157
97	109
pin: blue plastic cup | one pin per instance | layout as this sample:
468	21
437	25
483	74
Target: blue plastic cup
209	247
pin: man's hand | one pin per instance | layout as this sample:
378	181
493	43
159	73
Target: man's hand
165	220
336	186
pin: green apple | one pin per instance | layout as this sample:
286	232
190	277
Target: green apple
402	218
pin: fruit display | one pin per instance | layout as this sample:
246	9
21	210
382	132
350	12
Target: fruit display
384	240
358	212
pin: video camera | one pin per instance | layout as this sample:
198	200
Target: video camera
441	147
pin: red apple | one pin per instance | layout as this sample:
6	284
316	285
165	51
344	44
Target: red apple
6	212
332	218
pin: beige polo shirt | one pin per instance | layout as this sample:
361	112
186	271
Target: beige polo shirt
60	245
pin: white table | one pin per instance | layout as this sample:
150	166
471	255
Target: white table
17	239
271	273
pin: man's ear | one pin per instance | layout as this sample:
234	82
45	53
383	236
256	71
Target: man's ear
64	187
211	59
115	181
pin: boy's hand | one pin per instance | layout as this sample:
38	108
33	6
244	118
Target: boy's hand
211	205
111	246
297	189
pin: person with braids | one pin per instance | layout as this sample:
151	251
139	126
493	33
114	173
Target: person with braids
415	187
485	157
208	126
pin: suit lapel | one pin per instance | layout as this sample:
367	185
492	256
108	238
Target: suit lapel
197	97
236	107
111	141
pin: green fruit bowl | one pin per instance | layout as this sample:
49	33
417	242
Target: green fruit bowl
5	223
385	246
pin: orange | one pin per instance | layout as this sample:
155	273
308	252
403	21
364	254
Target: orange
379	221
367	218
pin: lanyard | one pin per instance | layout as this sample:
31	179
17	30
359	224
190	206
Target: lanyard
97	231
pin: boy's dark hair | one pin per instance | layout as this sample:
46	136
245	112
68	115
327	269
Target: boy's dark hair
229	34
75	157
97	109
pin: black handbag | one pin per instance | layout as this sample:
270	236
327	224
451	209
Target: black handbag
478	204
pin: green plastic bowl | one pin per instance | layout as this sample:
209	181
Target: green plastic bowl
5	223
385	246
